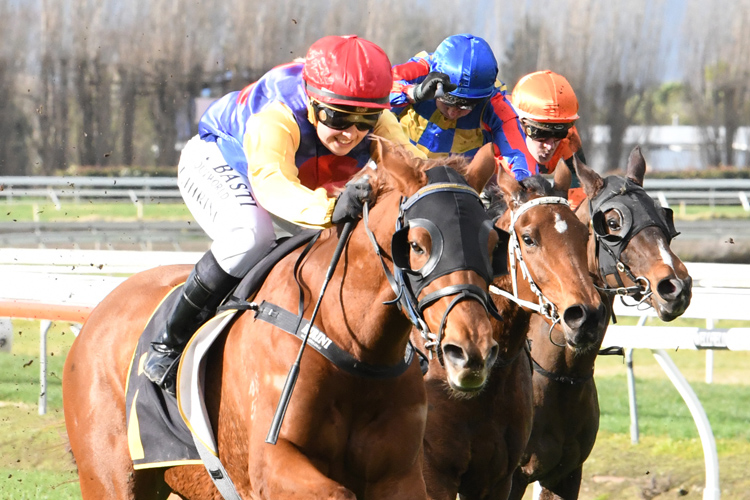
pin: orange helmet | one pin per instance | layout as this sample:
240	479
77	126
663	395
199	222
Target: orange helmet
545	97
349	71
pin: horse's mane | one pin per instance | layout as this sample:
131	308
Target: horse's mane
536	185
382	181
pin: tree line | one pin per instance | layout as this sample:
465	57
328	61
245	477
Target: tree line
105	83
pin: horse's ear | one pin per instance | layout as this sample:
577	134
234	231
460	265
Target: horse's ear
402	167
508	185
636	166
481	168
563	178
591	181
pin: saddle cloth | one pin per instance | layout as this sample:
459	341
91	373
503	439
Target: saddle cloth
157	433
160	428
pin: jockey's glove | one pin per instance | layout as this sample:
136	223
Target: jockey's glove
429	87
350	202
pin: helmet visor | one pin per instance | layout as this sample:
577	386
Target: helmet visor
341	118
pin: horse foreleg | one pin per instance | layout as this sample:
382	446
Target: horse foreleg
288	474
565	489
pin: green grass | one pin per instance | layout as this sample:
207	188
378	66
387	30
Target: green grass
19	370
693	212
34	459
39	485
45	211
662	412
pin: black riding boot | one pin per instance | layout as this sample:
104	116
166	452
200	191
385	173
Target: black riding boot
202	293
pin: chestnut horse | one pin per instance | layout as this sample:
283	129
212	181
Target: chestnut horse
345	436
474	441
629	237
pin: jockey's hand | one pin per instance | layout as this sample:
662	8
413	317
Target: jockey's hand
428	89
351	200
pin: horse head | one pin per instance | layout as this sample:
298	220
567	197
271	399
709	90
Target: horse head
631	236
548	258
445	253
628	240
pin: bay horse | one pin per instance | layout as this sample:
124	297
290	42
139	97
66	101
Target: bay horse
474	441
345	436
629	252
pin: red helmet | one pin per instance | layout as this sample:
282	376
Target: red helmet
545	97
348	70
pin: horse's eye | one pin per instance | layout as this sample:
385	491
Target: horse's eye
613	224
416	248
528	240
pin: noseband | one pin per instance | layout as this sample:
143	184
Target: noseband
453	214
637	211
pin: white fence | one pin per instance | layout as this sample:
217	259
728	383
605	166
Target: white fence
45	284
64	285
157	189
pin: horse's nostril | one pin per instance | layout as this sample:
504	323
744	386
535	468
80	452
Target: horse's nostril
494	353
669	288
455	355
575	316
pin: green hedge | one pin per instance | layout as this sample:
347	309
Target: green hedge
706	173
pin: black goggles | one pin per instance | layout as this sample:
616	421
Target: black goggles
459	102
342	120
556	131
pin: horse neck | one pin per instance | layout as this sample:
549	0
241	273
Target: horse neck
511	332
372	329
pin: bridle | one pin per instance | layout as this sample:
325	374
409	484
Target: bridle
544	306
637	211
447	254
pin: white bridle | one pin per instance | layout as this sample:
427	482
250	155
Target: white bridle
544	306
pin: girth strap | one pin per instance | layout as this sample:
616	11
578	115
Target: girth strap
287	321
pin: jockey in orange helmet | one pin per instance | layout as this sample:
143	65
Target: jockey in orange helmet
274	152
548	109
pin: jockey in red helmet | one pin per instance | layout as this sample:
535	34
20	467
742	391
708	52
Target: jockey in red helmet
548	109
450	102
275	152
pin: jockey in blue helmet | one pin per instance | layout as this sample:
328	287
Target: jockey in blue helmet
469	63
460	81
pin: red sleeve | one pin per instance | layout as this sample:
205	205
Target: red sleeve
411	70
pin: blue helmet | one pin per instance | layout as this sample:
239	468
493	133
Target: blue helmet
470	63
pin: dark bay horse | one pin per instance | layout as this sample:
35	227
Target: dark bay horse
474	441
344	436
629	237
